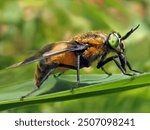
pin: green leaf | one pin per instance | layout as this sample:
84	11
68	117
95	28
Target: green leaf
59	89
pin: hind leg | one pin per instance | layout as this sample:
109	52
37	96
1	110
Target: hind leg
28	94
42	73
40	76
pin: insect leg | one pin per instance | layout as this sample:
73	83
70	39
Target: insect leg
121	68
74	68
28	94
37	87
116	62
129	66
45	77
102	62
122	60
109	74
78	69
125	62
65	66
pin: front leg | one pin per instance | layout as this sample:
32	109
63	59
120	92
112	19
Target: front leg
113	58
121	68
102	62
130	68
124	62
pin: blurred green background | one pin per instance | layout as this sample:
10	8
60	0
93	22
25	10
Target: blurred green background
27	25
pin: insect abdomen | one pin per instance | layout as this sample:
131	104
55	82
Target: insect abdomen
42	72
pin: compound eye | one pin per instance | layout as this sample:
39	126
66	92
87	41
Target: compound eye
113	40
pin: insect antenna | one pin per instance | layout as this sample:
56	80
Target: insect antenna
130	32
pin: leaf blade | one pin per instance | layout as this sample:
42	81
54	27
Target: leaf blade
115	83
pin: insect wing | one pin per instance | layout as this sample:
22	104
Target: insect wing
38	57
